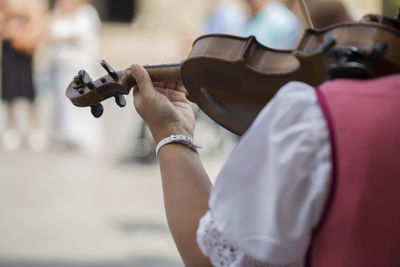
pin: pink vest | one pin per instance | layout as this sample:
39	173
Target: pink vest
361	222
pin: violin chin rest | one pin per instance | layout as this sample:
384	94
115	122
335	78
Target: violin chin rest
350	70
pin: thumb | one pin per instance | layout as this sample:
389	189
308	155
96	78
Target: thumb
143	80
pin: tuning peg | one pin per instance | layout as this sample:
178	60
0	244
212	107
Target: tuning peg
76	80
120	100
84	77
97	110
109	69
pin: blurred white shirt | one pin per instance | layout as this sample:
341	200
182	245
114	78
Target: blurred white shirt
76	37
75	46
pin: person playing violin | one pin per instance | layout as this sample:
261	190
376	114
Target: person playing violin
313	180
251	196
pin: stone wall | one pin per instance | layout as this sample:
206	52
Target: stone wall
182	16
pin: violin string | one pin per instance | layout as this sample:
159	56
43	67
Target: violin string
306	14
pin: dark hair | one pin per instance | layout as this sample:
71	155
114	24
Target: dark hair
327	13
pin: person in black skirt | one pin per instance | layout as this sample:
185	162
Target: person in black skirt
20	34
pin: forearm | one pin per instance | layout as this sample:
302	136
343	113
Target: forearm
166	110
186	188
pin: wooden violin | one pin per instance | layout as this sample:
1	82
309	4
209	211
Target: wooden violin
232	78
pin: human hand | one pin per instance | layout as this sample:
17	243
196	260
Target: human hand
371	18
162	105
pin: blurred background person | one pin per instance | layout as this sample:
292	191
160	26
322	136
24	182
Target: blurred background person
271	21
325	13
21	27
273	24
3	7
73	35
225	17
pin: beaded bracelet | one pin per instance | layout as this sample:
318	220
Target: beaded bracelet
182	139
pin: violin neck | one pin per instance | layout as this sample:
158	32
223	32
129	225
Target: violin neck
164	73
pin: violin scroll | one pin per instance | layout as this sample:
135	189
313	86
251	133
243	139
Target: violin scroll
84	92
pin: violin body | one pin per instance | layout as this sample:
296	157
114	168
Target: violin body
232	78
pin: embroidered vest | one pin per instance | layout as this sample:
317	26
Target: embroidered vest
361	222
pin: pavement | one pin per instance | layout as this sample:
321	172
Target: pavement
68	209
65	208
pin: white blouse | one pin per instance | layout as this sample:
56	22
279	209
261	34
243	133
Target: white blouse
271	192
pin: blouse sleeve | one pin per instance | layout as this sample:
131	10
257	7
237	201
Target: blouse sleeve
271	191
221	252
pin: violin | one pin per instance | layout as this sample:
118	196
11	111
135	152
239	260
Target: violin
232	78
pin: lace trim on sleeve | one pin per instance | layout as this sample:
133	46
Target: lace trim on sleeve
220	251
